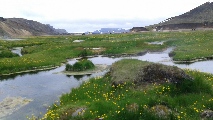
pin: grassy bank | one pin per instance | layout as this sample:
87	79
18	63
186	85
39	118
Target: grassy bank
53	50
98	98
192	45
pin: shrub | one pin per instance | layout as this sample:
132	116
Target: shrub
198	85
68	67
88	64
80	66
83	53
7	54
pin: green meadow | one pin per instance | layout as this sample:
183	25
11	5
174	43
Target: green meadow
49	51
39	52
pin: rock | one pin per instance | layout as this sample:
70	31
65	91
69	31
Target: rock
117	83
2	19
142	53
61	31
78	41
139	29
171	54
207	114
158	73
11	104
19	27
197	18
99	118
161	111
79	112
132	107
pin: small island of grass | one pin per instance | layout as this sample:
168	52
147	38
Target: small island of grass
83	67
80	66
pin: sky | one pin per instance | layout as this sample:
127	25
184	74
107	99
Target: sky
90	15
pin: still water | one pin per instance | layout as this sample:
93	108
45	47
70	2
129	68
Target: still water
44	88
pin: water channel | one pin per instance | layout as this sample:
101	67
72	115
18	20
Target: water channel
45	87
17	50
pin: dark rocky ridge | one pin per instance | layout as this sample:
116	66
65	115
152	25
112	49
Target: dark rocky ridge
199	17
138	29
19	27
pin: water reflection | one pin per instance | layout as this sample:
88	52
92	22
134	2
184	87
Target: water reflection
17	50
79	77
14	76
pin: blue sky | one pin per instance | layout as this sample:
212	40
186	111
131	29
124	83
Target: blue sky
90	15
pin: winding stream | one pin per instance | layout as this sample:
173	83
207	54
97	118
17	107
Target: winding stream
44	88
17	50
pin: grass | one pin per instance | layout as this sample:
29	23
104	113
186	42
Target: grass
192	45
7	54
125	70
130	101
53	50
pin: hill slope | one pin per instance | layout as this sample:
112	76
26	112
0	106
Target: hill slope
19	27
199	17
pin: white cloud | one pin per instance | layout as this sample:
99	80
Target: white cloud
84	15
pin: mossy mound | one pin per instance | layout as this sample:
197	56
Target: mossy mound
140	72
126	70
158	73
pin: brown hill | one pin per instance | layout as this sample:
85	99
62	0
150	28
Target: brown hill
19	27
138	29
199	17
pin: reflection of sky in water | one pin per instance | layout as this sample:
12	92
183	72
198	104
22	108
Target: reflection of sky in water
202	66
45	87
104	60
17	50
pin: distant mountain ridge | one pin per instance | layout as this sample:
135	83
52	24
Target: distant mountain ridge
109	31
199	17
19	27
138	29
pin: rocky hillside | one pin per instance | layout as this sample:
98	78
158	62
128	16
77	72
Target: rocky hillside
138	29
199	17
19	27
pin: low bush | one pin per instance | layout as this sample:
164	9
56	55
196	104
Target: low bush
68	67
83	53
198	85
7	54
80	66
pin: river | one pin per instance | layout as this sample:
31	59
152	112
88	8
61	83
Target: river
44	88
